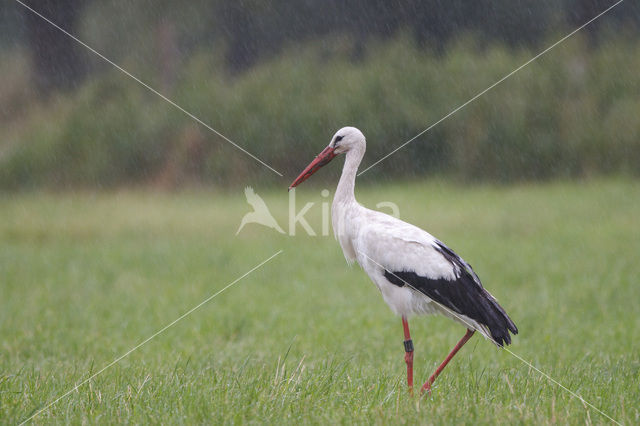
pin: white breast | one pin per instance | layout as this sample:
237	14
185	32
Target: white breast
378	242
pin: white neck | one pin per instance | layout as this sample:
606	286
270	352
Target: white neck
345	204
345	190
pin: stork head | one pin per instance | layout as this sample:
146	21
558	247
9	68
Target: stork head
345	140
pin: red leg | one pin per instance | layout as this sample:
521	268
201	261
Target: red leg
427	385
408	356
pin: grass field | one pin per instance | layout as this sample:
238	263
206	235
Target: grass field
305	339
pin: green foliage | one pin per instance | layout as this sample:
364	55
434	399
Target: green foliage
572	113
306	339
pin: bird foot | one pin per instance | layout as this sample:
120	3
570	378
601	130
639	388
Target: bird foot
426	388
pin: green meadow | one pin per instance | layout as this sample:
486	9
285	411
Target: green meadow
85	277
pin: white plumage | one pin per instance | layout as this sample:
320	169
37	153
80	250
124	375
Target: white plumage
415	272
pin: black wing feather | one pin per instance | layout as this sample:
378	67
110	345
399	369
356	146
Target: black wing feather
464	295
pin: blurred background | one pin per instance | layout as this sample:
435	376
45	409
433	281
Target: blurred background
279	78
119	212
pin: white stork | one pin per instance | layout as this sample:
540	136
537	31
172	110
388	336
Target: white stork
415	272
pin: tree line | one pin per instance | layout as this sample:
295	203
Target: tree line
253	30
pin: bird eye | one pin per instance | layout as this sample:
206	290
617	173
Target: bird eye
338	138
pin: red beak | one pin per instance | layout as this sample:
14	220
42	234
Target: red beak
321	159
